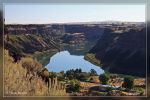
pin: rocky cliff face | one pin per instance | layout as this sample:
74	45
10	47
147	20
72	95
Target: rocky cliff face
27	39
91	32
21	39
123	53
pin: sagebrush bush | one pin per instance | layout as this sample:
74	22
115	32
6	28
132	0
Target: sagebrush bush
128	82
31	65
16	82
104	78
74	86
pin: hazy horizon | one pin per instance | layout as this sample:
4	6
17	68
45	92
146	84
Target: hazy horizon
72	22
61	14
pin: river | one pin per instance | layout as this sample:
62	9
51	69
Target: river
71	57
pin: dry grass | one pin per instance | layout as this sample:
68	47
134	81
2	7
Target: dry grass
116	81
16	80
140	81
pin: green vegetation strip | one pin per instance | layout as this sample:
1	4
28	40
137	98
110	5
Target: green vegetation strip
91	58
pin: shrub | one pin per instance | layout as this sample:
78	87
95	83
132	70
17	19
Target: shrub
15	80
52	75
74	86
82	76
61	76
45	73
109	89
70	74
128	82
104	79
70	77
62	73
16	83
31	65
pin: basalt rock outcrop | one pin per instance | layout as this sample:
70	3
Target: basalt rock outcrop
123	53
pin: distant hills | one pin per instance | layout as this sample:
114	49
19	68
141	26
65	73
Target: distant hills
90	22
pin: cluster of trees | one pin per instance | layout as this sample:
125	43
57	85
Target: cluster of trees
79	75
93	72
74	76
128	80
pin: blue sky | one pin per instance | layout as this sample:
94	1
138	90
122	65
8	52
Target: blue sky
40	14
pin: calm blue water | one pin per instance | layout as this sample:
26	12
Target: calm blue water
63	61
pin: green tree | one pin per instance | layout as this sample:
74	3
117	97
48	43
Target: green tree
52	75
104	78
62	73
78	70
128	82
93	72
83	76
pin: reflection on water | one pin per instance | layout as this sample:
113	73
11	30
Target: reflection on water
44	58
71	57
79	49
64	61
